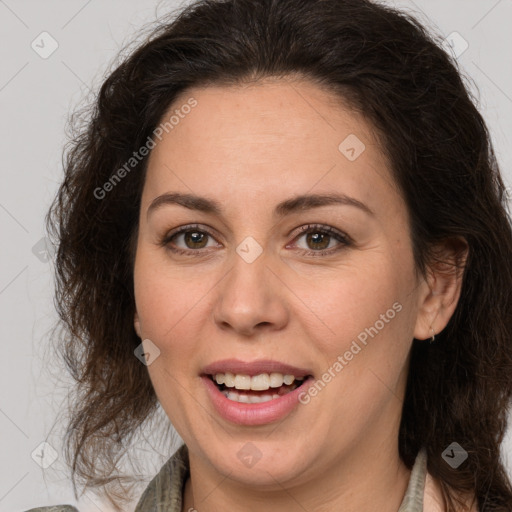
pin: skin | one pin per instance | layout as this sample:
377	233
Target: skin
249	148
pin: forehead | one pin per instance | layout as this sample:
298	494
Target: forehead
274	137
266	116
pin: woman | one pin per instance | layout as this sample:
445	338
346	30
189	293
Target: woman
285	225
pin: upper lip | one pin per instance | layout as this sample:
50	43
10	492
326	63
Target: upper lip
252	368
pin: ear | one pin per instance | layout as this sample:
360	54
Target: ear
136	324
442	287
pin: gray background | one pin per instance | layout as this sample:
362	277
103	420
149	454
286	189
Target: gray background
36	97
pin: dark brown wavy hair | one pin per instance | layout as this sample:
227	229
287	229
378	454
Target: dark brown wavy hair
384	64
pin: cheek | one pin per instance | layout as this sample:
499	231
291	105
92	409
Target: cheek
161	302
368	340
167	306
165	299
346	304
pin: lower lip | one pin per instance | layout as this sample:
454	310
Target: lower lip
254	414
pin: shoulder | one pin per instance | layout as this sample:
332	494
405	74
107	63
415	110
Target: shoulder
166	488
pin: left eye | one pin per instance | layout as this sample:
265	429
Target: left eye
320	240
317	240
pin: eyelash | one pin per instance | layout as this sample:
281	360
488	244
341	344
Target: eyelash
344	239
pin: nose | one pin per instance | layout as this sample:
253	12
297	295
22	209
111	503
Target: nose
251	298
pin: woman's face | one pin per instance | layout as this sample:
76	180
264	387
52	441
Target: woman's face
244	173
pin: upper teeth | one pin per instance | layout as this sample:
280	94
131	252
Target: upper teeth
257	383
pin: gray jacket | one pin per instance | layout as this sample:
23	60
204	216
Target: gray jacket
164	492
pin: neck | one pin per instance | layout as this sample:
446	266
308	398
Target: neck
357	482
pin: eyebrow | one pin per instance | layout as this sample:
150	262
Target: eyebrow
292	205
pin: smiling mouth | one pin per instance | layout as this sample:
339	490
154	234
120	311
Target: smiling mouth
241	388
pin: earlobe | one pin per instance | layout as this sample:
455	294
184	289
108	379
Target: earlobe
443	288
136	324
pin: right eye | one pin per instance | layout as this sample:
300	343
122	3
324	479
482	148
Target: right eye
191	239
